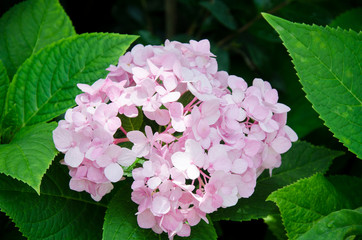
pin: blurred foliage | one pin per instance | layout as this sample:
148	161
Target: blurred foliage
243	41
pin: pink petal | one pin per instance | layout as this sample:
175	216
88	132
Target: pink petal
146	219
136	137
74	157
170	97
62	139
251	147
281	144
290	133
127	157
160	205
235	82
239	166
162	117
77	185
271	96
210	111
113	172
280	108
153	182
185	231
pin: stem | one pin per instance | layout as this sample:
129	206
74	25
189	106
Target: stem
120	140
123	130
171	15
188	106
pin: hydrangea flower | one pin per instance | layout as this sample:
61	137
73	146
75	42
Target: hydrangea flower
206	153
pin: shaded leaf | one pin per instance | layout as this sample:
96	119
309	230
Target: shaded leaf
351	19
55	71
302	160
4	85
221	12
30	26
29	154
328	61
58	213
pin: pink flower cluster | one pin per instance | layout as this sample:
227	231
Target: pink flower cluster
209	151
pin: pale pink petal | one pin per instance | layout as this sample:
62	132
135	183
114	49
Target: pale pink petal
62	139
74	157
146	219
280	108
271	96
281	144
210	111
127	157
113	172
251	147
181	160
193	172
235	82
160	205
290	133
170	97
162	117
185	231
77	185
176	109
239	166
153	182
137	137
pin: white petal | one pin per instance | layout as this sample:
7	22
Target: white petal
193	172
74	157
127	157
113	172
181	160
154	182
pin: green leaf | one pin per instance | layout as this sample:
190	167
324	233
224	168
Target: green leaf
300	203
302	160
328	61
120	221
55	71
29	154
4	85
221	12
30	26
130	124
337	225
349	20
58	213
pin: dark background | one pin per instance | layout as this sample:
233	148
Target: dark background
245	46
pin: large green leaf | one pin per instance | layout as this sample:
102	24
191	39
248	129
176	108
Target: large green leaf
121	222
307	201
328	63
45	85
302	160
4	85
29	154
30	26
58	213
337	225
